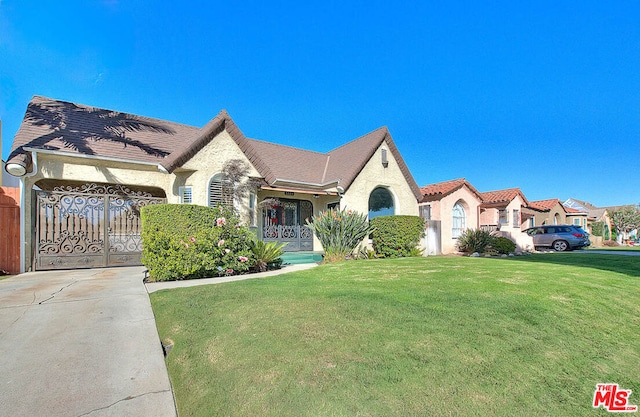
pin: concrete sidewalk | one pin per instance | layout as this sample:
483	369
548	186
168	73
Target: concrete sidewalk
156	286
81	343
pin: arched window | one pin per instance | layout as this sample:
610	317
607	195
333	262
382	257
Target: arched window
459	220
220	191
380	203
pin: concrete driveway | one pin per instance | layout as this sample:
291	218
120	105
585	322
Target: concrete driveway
81	343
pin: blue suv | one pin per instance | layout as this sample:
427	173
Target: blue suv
559	237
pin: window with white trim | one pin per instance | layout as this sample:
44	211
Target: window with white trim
576	221
516	218
459	220
186	196
425	212
503	216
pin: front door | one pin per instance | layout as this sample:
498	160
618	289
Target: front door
285	221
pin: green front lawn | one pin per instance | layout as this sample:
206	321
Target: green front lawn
418	336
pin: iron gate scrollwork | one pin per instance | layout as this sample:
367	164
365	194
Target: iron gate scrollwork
285	222
93	225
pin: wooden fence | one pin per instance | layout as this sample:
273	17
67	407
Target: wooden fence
9	230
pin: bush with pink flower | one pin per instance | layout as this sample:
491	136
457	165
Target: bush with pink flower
183	241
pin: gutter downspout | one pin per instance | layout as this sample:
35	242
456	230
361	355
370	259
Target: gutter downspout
23	191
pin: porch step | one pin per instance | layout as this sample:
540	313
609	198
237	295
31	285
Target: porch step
296	258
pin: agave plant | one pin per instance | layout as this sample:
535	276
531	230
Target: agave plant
265	253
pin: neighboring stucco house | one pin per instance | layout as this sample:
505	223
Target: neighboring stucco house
456	205
87	171
550	211
594	214
505	211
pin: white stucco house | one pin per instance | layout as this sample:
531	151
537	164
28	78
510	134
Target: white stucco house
86	171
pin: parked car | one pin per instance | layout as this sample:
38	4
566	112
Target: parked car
559	237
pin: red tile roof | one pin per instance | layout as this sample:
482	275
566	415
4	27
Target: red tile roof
438	190
503	196
545	205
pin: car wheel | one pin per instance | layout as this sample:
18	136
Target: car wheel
560	246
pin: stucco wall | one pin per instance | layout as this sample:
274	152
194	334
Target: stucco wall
210	160
514	232
547	217
469	201
375	175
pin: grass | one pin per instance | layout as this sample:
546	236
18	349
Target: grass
419	336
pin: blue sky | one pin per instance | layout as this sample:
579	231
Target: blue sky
543	96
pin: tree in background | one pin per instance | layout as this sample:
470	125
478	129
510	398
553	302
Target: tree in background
625	220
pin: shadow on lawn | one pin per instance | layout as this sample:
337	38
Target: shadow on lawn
628	265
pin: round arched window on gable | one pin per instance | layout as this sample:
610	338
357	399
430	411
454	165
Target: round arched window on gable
381	203
459	220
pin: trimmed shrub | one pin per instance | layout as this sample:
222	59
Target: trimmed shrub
597	228
340	232
474	240
182	241
503	244
397	236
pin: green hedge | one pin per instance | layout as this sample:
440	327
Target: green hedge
397	236
182	241
597	228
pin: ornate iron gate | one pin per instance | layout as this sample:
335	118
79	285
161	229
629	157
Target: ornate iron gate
93	225
284	222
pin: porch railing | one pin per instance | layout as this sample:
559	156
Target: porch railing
298	238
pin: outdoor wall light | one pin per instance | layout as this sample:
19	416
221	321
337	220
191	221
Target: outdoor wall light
16	170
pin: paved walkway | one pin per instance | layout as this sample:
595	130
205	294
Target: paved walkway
156	286
610	252
81	343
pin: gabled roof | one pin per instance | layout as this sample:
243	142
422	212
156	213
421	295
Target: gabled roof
546	205
439	190
74	129
346	161
502	197
594	213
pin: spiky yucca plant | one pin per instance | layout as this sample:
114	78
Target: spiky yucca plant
340	232
474	240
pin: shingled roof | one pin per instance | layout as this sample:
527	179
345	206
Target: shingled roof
68	128
63	127
438	190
